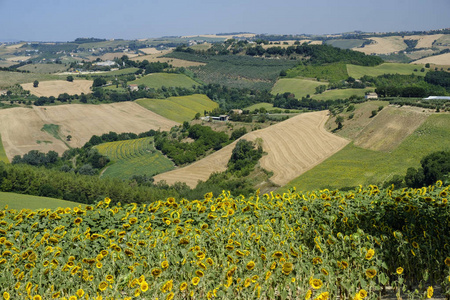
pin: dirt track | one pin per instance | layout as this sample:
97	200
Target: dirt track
21	132
293	147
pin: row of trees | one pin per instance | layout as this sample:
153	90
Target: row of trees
40	181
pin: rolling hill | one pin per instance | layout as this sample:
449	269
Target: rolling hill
292	147
24	129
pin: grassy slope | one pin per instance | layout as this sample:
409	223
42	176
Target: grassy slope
387	68
44	68
267	106
352	165
134	157
10	78
299	87
341	94
3	157
181	108
19	201
157	80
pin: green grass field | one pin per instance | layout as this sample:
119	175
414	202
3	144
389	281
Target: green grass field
345	43
158	80
341	94
299	87
387	68
10	78
3	157
331	72
267	106
134	157
44	68
19	201
353	165
179	109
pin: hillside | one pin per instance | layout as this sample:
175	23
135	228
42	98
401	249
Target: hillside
299	87
292	147
179	109
396	139
19	202
25	129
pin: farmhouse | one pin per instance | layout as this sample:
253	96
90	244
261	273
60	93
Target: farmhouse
220	118
236	111
133	87
107	63
3	92
371	96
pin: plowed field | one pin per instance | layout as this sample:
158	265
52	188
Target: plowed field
56	87
293	147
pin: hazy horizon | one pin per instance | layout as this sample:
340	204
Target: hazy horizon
24	20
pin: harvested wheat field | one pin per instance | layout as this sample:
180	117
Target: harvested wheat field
384	45
390	127
443	59
21	128
424	41
293	147
57	87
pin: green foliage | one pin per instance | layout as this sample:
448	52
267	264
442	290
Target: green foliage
136	157
24	179
440	78
331	71
435	166
182	153
35	83
238	133
69	78
244	157
98	82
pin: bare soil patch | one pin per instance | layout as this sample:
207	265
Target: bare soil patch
21	132
293	147
57	87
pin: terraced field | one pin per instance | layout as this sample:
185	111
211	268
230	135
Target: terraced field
293	147
179	109
134	157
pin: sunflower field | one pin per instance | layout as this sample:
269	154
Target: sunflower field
299	245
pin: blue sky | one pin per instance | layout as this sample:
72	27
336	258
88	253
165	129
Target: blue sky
61	20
